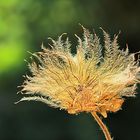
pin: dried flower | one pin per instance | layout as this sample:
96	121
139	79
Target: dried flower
96	79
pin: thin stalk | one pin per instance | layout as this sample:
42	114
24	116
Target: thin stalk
102	125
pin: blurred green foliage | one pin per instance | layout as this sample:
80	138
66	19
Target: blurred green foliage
24	25
12	32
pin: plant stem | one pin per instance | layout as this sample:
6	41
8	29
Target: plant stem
102	125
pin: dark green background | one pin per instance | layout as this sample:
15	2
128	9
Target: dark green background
24	25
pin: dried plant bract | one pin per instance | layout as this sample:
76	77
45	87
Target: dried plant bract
95	79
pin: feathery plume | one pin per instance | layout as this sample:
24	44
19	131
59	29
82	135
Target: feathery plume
96	79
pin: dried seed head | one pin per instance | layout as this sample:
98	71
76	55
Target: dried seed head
95	79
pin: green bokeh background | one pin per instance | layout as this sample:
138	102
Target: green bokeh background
24	25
